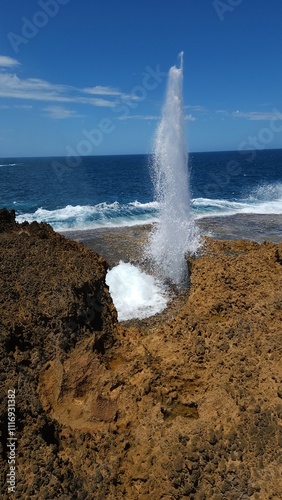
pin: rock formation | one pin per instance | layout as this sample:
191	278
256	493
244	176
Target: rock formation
183	405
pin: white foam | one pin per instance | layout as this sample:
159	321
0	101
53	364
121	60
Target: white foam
176	234
267	192
9	164
218	203
151	205
135	293
252	205
85	217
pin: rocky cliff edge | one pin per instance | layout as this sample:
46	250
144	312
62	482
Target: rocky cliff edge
186	405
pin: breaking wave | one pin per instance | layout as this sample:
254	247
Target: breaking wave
9	164
264	199
94	216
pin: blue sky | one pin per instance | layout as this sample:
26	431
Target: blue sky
89	77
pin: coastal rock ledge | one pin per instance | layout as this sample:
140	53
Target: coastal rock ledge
187	404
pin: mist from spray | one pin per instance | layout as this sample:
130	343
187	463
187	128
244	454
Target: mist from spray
135	293
176	233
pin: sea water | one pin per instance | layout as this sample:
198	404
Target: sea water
116	191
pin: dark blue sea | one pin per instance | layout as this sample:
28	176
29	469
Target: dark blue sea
111	191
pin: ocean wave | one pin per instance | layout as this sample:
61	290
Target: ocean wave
216	204
9	164
150	205
264	199
229	208
267	192
94	216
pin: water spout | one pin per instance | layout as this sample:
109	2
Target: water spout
181	57
176	233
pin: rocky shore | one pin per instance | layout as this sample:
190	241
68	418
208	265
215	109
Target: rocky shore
187	404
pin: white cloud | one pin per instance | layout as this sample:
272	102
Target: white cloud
31	88
8	62
195	108
139	117
35	89
16	106
104	103
59	113
258	115
189	118
252	115
110	91
100	90
23	106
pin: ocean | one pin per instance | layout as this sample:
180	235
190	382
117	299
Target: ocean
114	191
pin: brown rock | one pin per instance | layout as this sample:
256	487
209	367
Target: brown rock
7	220
181	405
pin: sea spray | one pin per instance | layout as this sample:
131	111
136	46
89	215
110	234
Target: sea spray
135	293
175	234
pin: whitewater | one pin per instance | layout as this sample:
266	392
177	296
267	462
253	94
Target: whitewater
265	198
175	235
